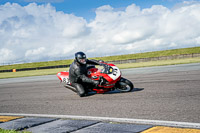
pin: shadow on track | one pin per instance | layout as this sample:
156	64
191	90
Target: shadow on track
115	92
137	89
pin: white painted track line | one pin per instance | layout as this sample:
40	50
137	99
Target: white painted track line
110	119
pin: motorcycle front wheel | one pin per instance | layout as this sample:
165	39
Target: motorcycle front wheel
124	85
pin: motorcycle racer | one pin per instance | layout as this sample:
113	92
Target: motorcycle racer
83	79
78	71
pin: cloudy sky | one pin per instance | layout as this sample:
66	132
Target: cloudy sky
40	30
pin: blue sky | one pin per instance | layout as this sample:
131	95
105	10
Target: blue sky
86	8
41	30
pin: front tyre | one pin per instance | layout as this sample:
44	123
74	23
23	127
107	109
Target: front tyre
124	85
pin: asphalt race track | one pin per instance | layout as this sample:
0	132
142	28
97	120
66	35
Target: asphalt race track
168	93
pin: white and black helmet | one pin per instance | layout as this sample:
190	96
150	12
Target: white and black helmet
80	57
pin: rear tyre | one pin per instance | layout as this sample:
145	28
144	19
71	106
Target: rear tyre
124	85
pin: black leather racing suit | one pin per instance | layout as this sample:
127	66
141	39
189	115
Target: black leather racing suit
78	78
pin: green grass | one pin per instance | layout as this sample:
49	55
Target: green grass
36	64
12	131
159	63
121	66
107	58
31	73
153	54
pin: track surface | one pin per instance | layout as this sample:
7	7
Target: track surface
170	93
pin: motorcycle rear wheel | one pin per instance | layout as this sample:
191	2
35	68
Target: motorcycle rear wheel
124	85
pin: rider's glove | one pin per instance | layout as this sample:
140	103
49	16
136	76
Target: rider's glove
102	64
96	83
101	61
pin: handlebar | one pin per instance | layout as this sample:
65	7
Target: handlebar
107	69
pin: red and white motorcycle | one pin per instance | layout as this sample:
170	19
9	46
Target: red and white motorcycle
109	76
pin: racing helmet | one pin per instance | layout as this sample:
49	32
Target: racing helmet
80	57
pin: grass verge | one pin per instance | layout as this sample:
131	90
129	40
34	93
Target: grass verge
31	73
12	131
159	63
121	66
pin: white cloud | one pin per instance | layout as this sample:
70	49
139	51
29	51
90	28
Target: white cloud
34	54
6	54
39	32
42	1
